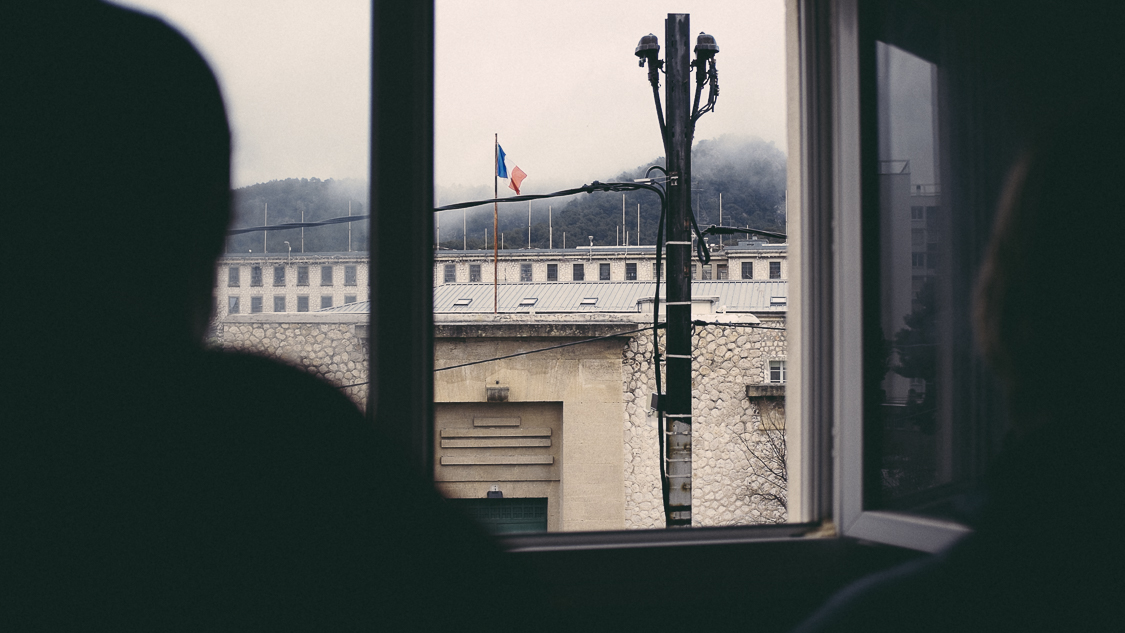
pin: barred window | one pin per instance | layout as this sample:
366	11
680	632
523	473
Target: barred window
450	275
279	275
631	272
603	272
232	276
349	276
302	275
474	272
303	303
552	272
255	305
579	273
255	275
747	270
326	275
525	272
279	303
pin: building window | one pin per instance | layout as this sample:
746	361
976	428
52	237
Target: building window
916	213
255	275
917	260
450	275
279	303
775	270
279	275
326	275
525	272
630	272
255	305
917	237
747	270
232	305
349	298
303	303
349	275
326	302
579	272
302	275
552	272
706	269
474	272
777	371
721	269
603	272
654	270
232	277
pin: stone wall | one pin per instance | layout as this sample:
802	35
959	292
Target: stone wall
324	345
737	440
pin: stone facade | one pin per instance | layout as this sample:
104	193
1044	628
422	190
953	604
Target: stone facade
737	439
331	346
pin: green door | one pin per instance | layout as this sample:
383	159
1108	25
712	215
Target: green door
506	516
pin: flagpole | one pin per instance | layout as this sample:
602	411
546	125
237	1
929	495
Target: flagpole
495	221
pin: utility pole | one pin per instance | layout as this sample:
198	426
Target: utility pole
677	401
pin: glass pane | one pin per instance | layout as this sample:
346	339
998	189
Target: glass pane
915	434
572	431
296	87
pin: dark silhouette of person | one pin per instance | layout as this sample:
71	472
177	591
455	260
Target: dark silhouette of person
149	483
1046	550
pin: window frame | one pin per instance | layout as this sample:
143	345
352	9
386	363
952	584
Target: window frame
578	268
825	313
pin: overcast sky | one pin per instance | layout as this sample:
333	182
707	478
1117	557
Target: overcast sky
556	80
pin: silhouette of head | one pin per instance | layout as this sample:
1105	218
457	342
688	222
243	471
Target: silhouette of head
1048	305
121	157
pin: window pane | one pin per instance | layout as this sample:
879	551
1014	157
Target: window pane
500	424
296	82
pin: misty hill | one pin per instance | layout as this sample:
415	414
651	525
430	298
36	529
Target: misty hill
747	171
286	200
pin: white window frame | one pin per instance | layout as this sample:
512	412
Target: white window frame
846	355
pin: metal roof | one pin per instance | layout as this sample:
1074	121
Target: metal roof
609	296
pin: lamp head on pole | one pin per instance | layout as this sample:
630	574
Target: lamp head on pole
648	48
705	46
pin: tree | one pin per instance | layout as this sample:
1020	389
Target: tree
767	483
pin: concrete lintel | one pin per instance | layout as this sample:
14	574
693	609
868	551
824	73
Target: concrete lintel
296	317
510	329
765	391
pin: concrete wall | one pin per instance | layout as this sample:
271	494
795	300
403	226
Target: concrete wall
606	442
585	379
508	268
339	290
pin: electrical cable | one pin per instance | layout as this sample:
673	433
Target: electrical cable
730	230
546	349
344	219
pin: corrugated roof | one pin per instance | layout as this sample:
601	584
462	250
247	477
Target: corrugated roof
610	296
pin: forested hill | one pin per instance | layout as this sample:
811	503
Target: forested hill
283	201
748	172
